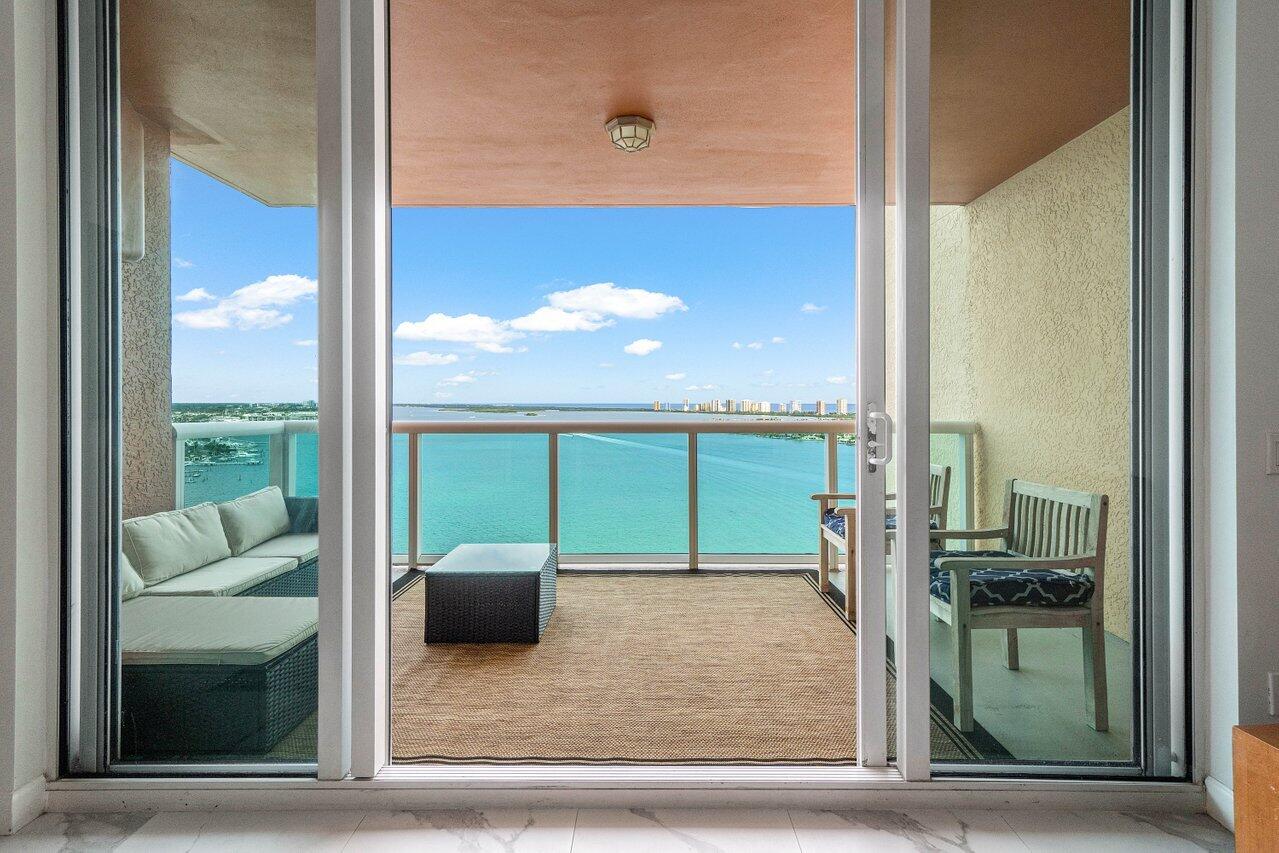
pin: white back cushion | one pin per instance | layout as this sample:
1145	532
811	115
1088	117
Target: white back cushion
169	544
254	518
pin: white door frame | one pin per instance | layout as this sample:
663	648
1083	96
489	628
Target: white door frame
872	628
354	302
914	21
876	432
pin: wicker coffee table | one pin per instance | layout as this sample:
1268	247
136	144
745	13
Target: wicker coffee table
491	594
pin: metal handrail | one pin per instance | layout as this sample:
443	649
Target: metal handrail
832	428
666	426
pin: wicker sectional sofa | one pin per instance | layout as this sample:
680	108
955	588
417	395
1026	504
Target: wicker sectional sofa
218	627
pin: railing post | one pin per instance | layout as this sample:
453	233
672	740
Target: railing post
553	487
832	462
277	450
179	470
415	477
693	547
291	463
970	482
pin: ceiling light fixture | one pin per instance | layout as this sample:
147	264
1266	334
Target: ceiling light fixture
630	133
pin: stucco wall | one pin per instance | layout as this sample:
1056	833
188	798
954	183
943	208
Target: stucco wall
145	347
1030	332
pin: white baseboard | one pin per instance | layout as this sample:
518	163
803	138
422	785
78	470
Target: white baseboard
120	794
1220	801
25	805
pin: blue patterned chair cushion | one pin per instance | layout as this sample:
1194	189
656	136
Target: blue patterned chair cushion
836	523
1021	587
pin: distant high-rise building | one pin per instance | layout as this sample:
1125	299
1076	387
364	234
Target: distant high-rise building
730	406
795	407
821	407
686	404
657	407
841	406
765	407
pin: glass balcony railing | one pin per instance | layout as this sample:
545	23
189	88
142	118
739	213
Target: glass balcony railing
222	460
648	491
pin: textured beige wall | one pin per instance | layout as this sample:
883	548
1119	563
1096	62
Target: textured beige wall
1030	332
146	383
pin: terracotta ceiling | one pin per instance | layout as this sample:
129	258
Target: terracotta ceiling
501	103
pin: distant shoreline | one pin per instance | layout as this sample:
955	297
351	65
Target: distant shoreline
205	412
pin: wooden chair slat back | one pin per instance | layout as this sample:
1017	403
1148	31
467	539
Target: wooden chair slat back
939	492
1049	521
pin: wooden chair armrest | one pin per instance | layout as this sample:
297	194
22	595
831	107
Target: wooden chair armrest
945	564
835	496
989	533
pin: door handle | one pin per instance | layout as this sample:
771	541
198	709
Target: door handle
879	451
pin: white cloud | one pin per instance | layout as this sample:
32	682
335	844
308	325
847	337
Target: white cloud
459	379
487	346
466	328
182	263
810	308
196	294
779	340
548	319
254	306
442	395
754	345
700	387
426	359
737	344
607	299
675	377
837	380
306	342
643	346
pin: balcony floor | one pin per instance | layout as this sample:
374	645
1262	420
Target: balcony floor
715	667
1037	712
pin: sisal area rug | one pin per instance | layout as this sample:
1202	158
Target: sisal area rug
749	668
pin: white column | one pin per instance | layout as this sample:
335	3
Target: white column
29	405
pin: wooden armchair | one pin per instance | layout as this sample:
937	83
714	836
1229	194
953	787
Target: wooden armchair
1047	574
837	526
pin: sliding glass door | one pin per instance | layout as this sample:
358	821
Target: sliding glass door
193	385
1030	339
247	592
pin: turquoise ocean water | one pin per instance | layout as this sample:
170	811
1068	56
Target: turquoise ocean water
618	493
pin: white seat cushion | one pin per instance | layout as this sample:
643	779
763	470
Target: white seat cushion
168	544
213	631
300	546
231	576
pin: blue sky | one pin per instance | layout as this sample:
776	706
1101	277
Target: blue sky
573	305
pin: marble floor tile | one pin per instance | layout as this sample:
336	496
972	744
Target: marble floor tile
59	832
1066	832
472	830
837	831
1198	828
677	830
253	832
